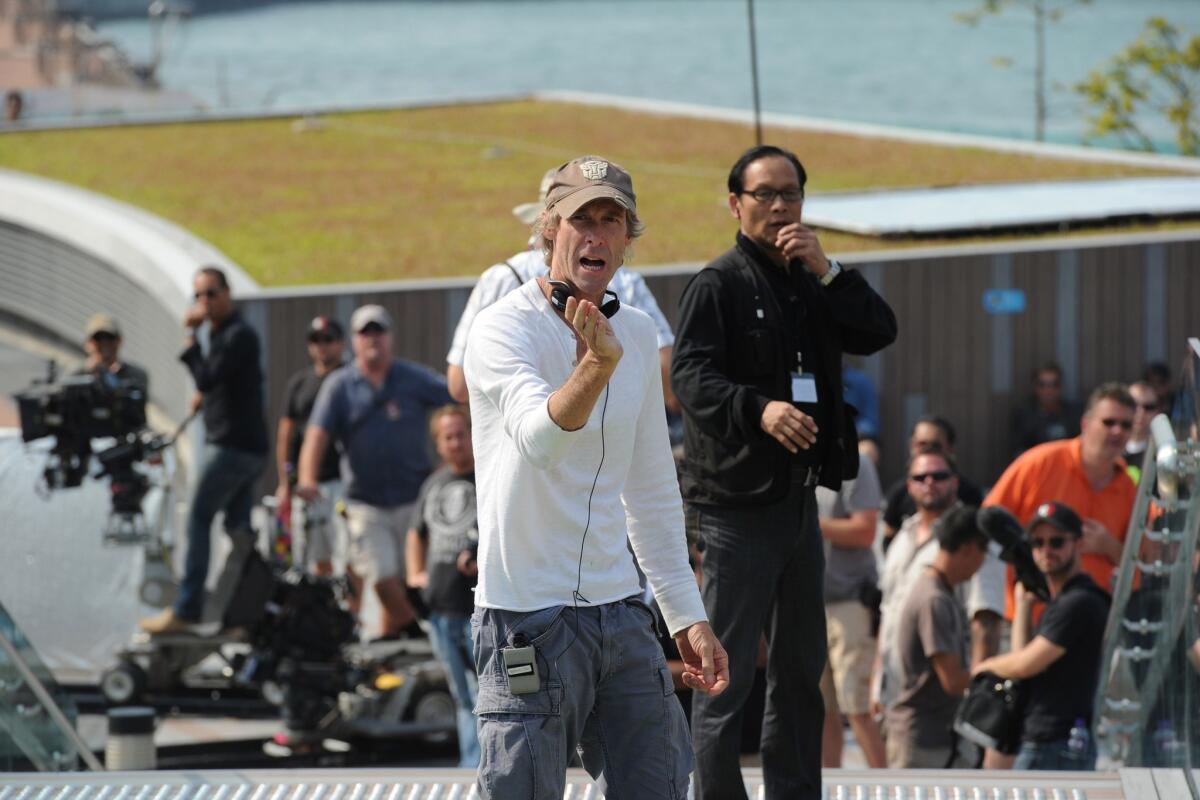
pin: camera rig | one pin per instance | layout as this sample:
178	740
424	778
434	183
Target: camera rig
77	410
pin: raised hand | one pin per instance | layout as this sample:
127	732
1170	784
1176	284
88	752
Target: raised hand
594	329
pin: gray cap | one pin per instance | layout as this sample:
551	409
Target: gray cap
365	315
102	323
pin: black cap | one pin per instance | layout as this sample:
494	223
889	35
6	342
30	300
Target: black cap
326	325
1060	515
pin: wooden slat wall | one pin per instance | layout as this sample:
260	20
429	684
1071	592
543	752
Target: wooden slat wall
944	360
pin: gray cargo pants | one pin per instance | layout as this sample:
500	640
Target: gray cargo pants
605	688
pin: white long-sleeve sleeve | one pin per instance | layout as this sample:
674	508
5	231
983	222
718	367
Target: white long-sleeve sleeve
535	481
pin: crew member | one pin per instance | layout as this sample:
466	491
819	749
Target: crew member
1060	663
230	381
375	409
758	371
315	519
102	343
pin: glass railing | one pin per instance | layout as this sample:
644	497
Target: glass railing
1148	703
37	719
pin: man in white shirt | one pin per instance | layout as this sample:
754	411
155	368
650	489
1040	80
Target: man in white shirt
573	466
500	279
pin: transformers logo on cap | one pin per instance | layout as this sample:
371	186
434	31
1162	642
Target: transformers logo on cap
594	170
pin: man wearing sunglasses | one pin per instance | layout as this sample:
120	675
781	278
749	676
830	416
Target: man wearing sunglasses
933	483
230	381
102	343
1087	472
313	520
1061	662
1146	398
375	409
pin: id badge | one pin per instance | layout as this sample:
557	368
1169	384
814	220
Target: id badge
804	387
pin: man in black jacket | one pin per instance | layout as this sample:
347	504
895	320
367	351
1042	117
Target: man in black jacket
230	381
757	368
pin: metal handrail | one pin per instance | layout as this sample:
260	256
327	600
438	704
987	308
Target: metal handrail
47	702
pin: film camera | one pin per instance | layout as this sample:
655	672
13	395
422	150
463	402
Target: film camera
78	409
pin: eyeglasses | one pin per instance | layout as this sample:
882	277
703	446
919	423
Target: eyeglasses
766	195
1123	424
938	477
209	293
1054	542
323	339
371	329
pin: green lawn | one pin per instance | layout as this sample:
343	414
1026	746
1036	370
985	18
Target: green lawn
424	193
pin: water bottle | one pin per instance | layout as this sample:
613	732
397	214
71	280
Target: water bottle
1079	738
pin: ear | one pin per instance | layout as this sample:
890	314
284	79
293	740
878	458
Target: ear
734	208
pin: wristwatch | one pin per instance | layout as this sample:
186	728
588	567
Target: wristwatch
835	269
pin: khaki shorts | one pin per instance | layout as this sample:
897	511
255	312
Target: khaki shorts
377	538
847	678
903	754
316	526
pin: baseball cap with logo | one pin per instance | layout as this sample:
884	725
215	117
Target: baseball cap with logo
102	323
1060	515
528	212
365	315
323	325
587	178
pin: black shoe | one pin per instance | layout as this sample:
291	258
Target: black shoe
411	631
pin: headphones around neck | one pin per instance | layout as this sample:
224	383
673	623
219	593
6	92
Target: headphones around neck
561	290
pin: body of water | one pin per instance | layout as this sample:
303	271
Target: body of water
896	62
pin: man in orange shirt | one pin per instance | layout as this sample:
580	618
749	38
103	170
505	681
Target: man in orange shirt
1088	474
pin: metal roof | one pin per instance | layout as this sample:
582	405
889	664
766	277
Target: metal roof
453	784
963	209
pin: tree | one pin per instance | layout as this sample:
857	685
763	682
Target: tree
1043	11
1156	72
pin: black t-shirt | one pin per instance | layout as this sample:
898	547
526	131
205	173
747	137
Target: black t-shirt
900	503
445	517
298	400
1064	692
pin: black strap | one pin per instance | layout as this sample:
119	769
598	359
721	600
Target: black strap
355	424
513	270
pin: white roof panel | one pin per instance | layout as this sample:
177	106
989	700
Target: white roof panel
961	209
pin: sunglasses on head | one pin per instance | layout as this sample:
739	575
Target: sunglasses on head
209	293
938	476
1123	424
1052	542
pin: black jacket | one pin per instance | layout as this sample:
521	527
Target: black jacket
231	380
730	361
